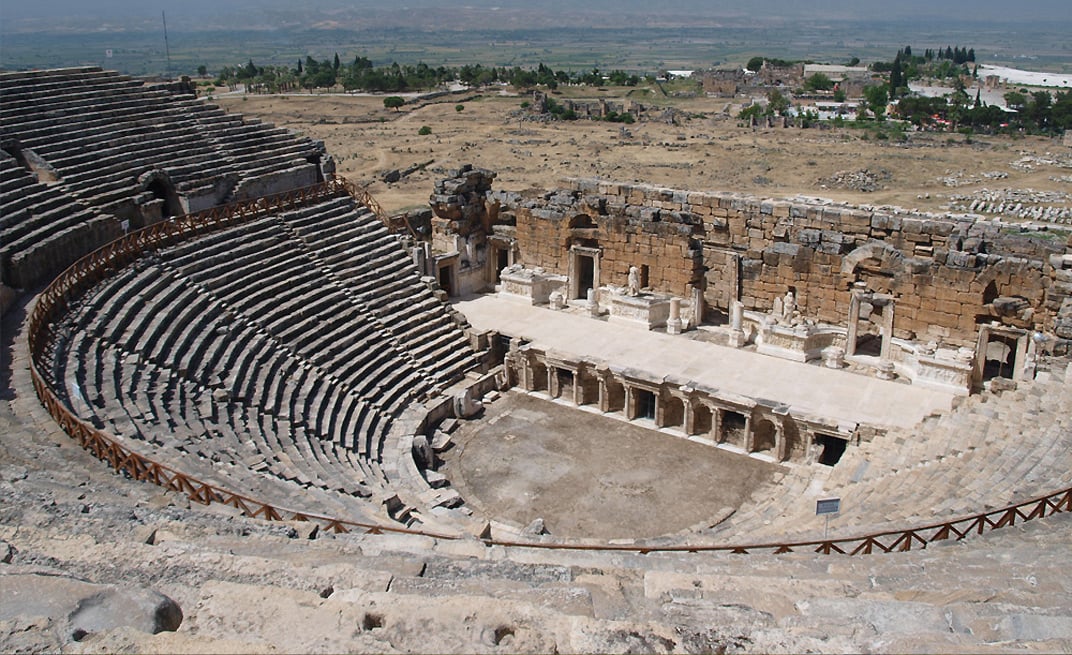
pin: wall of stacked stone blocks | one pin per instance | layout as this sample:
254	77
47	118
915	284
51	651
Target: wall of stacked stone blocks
945	271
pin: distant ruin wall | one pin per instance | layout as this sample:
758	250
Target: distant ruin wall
945	271
276	182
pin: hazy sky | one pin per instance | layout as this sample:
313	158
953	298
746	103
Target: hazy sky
984	10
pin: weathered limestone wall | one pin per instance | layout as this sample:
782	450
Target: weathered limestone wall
945	272
276	182
664	243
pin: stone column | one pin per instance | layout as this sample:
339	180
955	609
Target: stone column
553	387
737	338
524	373
630	402
592	305
660	411
604	396
749	438
1022	364
716	425
887	330
673	324
697	304
690	417
578	388
854	319
781	447
429	261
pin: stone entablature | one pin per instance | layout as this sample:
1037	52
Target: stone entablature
713	416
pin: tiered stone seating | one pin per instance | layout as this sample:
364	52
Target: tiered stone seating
42	228
234	578
992	451
241	358
362	255
95	134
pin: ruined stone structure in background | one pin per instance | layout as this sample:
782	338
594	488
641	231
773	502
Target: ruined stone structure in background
603	109
729	82
944	300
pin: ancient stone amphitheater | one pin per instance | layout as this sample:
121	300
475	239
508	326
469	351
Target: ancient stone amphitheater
231	384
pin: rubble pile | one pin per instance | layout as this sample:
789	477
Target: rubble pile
1022	204
865	180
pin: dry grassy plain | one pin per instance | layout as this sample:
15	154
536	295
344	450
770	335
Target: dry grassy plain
709	151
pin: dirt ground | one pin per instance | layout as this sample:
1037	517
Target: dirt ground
587	475
709	151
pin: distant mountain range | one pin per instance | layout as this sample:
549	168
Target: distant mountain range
74	16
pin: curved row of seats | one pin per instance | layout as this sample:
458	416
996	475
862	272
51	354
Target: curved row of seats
115	128
42	228
993	451
93	135
260	358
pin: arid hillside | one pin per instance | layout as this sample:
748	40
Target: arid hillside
708	149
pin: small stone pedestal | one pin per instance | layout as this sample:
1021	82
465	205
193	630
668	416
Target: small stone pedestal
737	339
646	310
556	300
944	370
834	357
886	370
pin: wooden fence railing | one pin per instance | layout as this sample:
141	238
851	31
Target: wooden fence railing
362	196
54	301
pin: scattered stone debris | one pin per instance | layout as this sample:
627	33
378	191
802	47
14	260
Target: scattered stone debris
395	175
865	180
1023	204
961	179
1028	162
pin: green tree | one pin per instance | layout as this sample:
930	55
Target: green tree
750	112
1015	100
424	131
777	103
896	77
202	70
754	64
818	82
393	102
877	97
958	104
